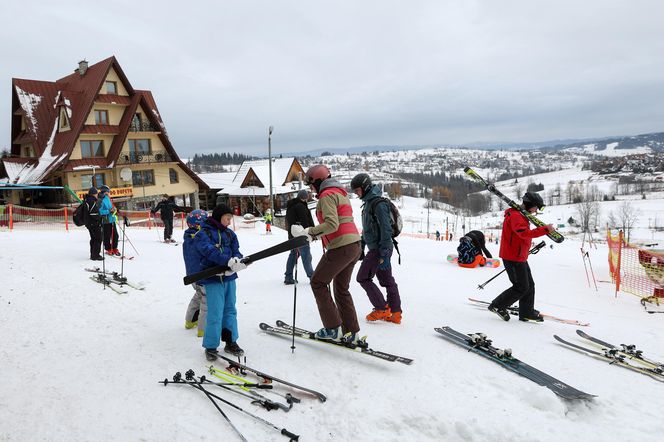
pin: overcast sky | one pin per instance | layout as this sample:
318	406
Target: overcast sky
344	73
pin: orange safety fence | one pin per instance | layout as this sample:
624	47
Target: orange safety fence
29	218
636	270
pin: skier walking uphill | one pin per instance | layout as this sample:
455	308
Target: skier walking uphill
197	309
470	249
167	206
515	242
377	236
342	242
109	218
93	224
214	245
297	212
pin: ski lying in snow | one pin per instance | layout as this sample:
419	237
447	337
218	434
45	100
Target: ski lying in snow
629	351
104	280
453	258
282	247
478	343
235	366
612	358
116	278
127	257
515	312
287	330
555	235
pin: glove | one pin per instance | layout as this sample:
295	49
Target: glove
236	265
549	228
384	263
298	230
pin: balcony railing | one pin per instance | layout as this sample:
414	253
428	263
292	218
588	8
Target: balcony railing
143	126
136	158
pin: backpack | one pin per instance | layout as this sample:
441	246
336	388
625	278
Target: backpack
467	251
395	220
80	214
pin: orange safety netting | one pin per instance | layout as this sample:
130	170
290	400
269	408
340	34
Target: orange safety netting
636	270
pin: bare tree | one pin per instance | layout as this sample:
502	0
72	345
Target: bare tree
589	210
625	218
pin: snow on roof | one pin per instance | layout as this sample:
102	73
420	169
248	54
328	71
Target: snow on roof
280	168
260	191
35	173
218	180
29	103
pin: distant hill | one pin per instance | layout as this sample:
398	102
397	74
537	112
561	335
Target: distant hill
611	146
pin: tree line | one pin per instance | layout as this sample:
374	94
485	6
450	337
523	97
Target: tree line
215	162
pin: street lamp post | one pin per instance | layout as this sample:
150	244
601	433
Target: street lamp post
269	155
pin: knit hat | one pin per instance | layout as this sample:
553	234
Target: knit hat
93	191
303	194
219	211
105	188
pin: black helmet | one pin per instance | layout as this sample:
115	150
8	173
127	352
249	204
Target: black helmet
361	181
532	199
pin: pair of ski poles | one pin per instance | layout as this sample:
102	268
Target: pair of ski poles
532	251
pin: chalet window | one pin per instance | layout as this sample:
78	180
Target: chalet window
139	148
136	122
64	121
87	182
173	174
101	116
143	178
111	87
92	148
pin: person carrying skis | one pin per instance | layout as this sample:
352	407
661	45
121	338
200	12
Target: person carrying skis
297	212
167	207
109	218
377	236
342	243
515	242
197	309
216	244
470	249
93	223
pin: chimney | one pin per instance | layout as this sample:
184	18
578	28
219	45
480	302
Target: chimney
82	67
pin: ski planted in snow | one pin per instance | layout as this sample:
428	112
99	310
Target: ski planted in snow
629	351
285	246
613	358
555	235
115	277
478	343
284	329
235	366
514	311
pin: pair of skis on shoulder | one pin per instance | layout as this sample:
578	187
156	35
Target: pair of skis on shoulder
283	329
627	356
515	312
113	280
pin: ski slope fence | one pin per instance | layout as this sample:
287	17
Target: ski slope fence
635	269
15	217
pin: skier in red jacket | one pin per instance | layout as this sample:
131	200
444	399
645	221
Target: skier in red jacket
515	242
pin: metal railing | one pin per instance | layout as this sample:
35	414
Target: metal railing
143	126
135	158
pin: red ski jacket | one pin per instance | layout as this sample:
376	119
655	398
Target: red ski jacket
516	238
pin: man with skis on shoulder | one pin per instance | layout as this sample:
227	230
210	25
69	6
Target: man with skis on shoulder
515	243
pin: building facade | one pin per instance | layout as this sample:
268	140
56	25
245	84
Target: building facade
93	128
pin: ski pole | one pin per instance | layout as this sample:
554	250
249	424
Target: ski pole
128	239
283	431
251	394
297	255
532	251
229	377
189	375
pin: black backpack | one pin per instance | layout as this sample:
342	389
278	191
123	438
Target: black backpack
395	220
80	214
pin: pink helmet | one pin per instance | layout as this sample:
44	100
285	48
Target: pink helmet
317	174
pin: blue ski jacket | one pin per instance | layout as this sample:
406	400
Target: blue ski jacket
210	246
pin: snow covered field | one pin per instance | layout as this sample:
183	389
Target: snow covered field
82	363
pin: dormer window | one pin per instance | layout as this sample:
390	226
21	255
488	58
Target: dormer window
111	87
64	120
101	116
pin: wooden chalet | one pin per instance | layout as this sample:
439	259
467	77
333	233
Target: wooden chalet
93	128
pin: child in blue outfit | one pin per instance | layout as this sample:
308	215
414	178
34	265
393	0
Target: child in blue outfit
216	244
197	309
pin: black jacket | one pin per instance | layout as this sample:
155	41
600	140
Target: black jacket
92	219
167	208
297	212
